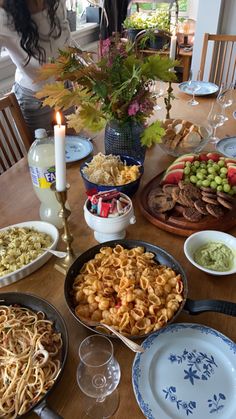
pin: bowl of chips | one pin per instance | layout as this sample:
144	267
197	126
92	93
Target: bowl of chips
106	172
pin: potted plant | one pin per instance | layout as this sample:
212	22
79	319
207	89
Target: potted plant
143	21
113	92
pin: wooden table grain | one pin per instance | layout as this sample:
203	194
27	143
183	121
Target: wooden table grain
18	203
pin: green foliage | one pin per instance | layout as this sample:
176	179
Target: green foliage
152	134
157	19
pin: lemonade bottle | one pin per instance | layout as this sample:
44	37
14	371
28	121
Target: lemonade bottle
41	159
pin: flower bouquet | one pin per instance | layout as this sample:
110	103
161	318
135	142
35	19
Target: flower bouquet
114	88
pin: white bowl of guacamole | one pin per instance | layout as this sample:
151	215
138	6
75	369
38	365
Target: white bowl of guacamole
212	251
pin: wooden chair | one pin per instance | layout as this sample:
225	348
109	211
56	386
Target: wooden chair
15	138
220	52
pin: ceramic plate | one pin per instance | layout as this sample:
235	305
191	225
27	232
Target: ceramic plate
227	146
77	148
207	88
40	260
187	370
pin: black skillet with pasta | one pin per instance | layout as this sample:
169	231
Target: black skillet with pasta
37	304
161	257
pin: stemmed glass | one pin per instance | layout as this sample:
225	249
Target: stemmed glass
225	96
216	118
157	88
193	86
98	375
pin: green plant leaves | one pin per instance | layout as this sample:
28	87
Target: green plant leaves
152	134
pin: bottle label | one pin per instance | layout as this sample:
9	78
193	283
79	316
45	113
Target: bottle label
42	177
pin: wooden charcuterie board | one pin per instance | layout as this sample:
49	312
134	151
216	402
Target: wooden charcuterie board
175	222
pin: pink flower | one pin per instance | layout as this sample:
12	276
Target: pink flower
133	108
105	46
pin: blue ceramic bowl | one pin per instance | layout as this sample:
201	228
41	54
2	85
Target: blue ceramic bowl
128	189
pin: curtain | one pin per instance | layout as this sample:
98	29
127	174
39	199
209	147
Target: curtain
116	11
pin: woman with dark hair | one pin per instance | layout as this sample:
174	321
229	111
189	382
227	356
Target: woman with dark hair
32	31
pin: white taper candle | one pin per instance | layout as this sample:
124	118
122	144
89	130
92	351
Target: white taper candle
60	154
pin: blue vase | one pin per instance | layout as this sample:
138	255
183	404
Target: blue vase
124	139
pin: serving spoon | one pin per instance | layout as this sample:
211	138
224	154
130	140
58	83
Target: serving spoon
128	342
56	253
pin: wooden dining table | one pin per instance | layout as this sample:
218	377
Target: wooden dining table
18	203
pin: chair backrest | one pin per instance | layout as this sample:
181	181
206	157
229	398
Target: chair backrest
220	52
15	138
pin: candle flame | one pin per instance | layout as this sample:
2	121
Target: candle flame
58	118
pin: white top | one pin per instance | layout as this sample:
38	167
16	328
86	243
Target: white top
9	38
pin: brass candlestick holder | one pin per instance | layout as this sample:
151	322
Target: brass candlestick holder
64	213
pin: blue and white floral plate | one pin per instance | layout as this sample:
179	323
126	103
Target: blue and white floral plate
227	146
206	88
77	148
186	370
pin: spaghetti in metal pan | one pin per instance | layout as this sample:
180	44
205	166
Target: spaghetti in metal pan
29	359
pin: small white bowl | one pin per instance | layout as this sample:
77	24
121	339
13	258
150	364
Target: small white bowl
200	238
106	229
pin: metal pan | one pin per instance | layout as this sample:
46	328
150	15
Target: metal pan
39	304
162	257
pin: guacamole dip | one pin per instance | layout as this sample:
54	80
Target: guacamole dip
214	255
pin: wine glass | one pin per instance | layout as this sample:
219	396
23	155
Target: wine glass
193	86
216	118
157	88
98	375
225	96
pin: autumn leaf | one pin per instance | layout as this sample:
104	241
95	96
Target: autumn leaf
158	67
152	134
87	116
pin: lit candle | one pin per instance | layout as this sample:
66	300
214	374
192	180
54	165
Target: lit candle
173	43
60	154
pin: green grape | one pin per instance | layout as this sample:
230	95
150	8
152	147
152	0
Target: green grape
200	175
213	184
206	183
219	188
226	187
188	163
210	177
187	170
218	180
221	163
231	192
216	167
199	183
234	189
196	163
203	164
193	179
204	171
210	161
223	170
225	181
222	175
211	170
193	169
186	179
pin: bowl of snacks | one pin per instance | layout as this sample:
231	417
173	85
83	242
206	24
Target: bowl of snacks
183	137
212	251
106	172
109	213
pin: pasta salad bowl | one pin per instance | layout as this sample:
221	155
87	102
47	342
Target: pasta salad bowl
136	308
21	239
101	173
